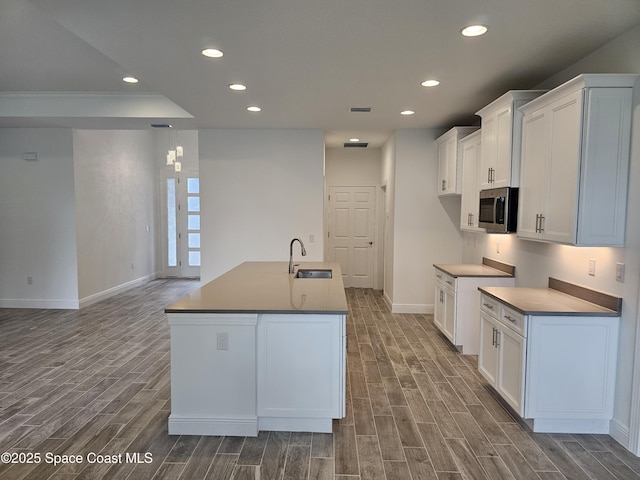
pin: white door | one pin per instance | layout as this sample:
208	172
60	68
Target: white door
510	382
488	356
351	233
181	224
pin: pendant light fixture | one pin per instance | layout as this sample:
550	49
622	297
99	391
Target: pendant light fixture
175	152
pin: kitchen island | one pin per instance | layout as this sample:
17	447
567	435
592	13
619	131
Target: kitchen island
259	349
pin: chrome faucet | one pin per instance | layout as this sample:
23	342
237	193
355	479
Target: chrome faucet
304	252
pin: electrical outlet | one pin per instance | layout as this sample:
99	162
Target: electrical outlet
592	267
223	341
498	247
29	280
620	272
132	266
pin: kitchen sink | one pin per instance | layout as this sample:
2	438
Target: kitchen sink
314	273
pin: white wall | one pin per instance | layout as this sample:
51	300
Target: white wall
116	199
537	261
37	214
425	227
387	180
359	167
259	189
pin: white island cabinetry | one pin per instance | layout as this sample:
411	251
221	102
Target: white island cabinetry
258	349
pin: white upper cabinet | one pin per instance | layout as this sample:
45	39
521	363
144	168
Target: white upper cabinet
575	162
501	133
470	200
449	178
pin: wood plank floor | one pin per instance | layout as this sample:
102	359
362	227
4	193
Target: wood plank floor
97	381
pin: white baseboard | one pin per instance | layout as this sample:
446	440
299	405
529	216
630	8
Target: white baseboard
411	308
97	297
619	432
290	424
231	426
45	303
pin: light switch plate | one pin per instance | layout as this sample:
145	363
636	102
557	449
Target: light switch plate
620	272
592	267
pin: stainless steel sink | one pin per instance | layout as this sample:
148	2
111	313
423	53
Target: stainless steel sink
314	273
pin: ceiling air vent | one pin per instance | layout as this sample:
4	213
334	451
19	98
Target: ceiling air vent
360	109
356	144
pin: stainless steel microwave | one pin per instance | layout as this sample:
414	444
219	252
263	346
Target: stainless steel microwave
498	210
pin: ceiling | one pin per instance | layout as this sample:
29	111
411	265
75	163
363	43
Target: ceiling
304	62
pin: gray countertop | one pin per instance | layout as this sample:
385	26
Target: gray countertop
266	287
471	270
546	301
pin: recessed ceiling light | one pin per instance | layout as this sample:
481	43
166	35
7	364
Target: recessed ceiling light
237	86
130	80
254	109
474	30
430	83
407	112
354	139
212	53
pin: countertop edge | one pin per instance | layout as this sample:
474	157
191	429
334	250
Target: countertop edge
259	312
498	273
564	313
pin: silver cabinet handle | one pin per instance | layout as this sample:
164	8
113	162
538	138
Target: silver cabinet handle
444	183
493	338
488	305
510	318
438	275
497	338
541	223
449	282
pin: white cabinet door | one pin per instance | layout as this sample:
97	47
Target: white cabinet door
439	308
489	151
449	327
534	174
488	356
563	176
469	202
300	366
502	168
447	167
510	381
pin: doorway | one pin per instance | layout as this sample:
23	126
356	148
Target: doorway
351	233
181	224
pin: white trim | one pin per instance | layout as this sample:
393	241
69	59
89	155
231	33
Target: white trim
224	319
412	308
570	425
633	432
40	303
288	424
387	299
97	297
619	432
206	425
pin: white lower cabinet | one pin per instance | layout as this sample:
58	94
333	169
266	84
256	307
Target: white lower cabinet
455	310
274	372
557	372
301	371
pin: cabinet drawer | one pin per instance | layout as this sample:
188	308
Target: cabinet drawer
514	320
447	280
489	305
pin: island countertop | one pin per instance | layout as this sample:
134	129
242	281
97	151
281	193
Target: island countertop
267	287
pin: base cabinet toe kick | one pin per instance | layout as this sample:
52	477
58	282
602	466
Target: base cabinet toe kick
237	374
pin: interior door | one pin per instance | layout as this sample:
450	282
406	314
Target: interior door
351	233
